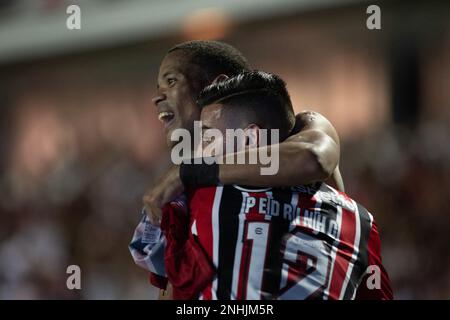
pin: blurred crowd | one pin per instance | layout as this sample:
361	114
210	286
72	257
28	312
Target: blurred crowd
72	183
403	177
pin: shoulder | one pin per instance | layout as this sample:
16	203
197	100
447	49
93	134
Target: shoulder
309	120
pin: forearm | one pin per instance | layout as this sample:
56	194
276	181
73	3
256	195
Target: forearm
298	163
336	180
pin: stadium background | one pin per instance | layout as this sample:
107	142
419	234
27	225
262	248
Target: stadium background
80	140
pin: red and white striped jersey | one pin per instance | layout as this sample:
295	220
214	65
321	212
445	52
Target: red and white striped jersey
307	242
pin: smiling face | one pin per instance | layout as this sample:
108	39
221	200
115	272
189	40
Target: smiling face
179	83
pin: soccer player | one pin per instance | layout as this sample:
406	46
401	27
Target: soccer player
309	154
313	144
304	242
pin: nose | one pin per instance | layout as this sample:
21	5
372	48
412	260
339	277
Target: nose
160	97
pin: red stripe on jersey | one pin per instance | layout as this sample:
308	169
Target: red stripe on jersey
344	253
306	202
253	214
201	206
374	259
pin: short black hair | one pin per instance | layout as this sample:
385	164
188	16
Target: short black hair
262	96
214	57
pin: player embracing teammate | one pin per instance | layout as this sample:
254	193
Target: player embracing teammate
298	238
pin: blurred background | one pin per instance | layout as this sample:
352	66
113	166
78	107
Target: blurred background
80	141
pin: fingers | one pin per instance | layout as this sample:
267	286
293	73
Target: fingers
153	210
167	188
155	217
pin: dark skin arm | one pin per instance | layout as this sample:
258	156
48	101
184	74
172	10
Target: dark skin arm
311	154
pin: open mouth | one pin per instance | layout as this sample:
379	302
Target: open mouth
166	117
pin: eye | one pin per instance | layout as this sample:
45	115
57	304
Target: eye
171	81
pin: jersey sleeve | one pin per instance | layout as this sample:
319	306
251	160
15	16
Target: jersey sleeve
147	247
368	288
158	281
188	268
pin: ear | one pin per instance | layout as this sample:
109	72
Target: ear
220	78
252	136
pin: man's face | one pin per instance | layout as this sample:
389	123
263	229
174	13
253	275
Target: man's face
213	119
217	138
179	83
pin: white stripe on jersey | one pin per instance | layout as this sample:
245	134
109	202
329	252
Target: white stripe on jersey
194	228
355	251
371	219
216	235
318	200
258	256
259	232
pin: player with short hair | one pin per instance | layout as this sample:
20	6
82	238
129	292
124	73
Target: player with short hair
303	242
187	68
309	154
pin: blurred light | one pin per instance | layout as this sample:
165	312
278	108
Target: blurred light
210	23
40	141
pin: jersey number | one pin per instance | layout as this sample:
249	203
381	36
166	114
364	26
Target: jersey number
305	269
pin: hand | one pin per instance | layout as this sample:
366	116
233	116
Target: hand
166	189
